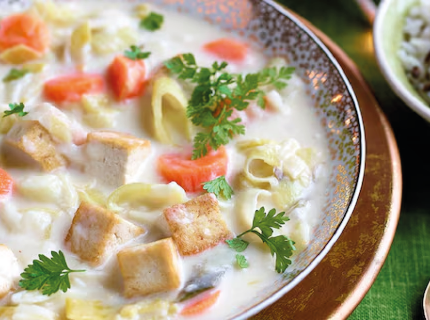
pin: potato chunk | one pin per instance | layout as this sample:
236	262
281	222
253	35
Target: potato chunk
30	142
8	270
115	158
96	233
150	268
197	225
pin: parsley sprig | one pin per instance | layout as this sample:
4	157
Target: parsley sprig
218	93
152	22
219	187
15	74
262	226
135	53
47	274
15	108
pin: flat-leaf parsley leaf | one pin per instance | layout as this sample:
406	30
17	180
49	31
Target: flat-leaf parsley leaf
242	262
280	246
135	53
47	274
152	22
15	108
15	74
218	93
219	187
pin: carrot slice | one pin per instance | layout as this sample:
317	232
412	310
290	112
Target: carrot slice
191	174
6	184
126	77
23	29
71	88
201	305
227	49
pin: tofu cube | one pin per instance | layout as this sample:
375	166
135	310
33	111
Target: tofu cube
29	142
197	225
8	270
115	158
96	233
150	268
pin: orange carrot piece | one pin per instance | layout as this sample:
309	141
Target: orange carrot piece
227	49
71	88
201	305
191	174
6	184
127	77
23	29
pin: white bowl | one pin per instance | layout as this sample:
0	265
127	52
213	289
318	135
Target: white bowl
387	35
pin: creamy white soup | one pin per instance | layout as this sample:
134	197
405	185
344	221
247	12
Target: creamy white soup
154	174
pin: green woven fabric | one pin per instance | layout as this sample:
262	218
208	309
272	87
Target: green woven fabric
398	290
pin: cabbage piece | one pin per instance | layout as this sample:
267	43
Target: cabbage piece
105	41
59	125
55	13
309	155
33	312
79	309
245	145
92	196
154	310
7	312
37	220
247	202
96	111
295	167
29	297
34	67
50	188
142	10
169	111
80	40
19	54
260	165
7	122
268	162
287	194
43	188
148	195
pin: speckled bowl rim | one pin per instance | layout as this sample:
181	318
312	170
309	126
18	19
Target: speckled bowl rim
404	92
359	180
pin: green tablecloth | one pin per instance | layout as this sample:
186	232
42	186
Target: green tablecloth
398	290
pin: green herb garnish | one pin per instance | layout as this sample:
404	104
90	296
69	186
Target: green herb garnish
218	93
47	274
242	262
15	108
15	74
219	187
280	246
135	53
152	22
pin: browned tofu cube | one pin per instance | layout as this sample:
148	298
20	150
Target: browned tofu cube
150	268
116	158
8	270
96	233
197	225
29	142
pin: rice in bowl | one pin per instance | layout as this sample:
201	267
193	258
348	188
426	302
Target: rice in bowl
414	51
